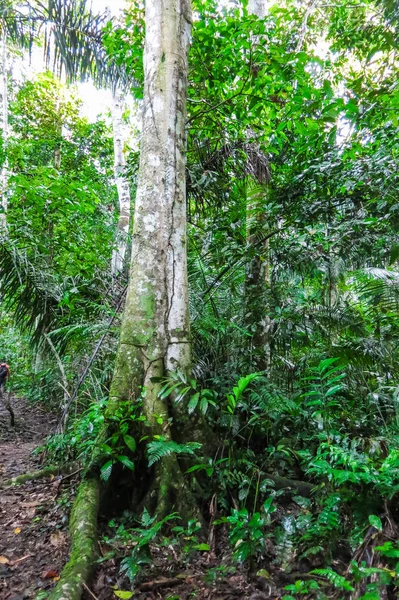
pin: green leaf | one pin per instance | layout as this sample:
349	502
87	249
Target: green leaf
106	470
192	405
125	460
389	550
334	389
130	442
106	449
375	522
202	547
123	595
204	405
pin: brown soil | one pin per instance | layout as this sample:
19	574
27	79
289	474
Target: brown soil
34	540
169	579
174	574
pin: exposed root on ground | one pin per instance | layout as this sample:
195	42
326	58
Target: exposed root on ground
41	474
83	530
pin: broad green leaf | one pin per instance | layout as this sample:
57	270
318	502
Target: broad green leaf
375	521
130	442
125	460
192	405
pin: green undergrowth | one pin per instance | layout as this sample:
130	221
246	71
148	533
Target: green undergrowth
312	434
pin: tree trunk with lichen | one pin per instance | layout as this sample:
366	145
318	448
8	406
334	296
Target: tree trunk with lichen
154	337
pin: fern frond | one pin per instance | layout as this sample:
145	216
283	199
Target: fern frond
337	580
160	448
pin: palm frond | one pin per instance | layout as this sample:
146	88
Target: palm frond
29	292
378	288
72	35
39	300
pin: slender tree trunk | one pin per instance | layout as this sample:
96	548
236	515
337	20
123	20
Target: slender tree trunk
155	326
257	281
258	270
4	125
122	184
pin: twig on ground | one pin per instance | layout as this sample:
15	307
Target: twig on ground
71	474
88	590
163	582
15	562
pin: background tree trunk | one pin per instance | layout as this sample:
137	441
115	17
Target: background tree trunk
258	269
257	280
122	184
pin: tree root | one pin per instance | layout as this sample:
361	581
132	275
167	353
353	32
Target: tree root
169	492
83	529
173	491
41	474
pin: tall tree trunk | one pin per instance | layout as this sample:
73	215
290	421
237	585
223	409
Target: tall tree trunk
257	280
258	270
122	184
154	336
4	125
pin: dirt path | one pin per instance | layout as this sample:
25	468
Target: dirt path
34	517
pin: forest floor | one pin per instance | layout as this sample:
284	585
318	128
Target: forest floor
34	539
168	576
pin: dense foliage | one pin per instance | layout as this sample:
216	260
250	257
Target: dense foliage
292	172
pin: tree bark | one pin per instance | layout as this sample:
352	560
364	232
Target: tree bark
83	530
154	336
122	185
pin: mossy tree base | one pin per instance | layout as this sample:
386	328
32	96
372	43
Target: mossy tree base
83	529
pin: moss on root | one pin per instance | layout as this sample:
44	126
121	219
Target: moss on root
83	529
41	474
